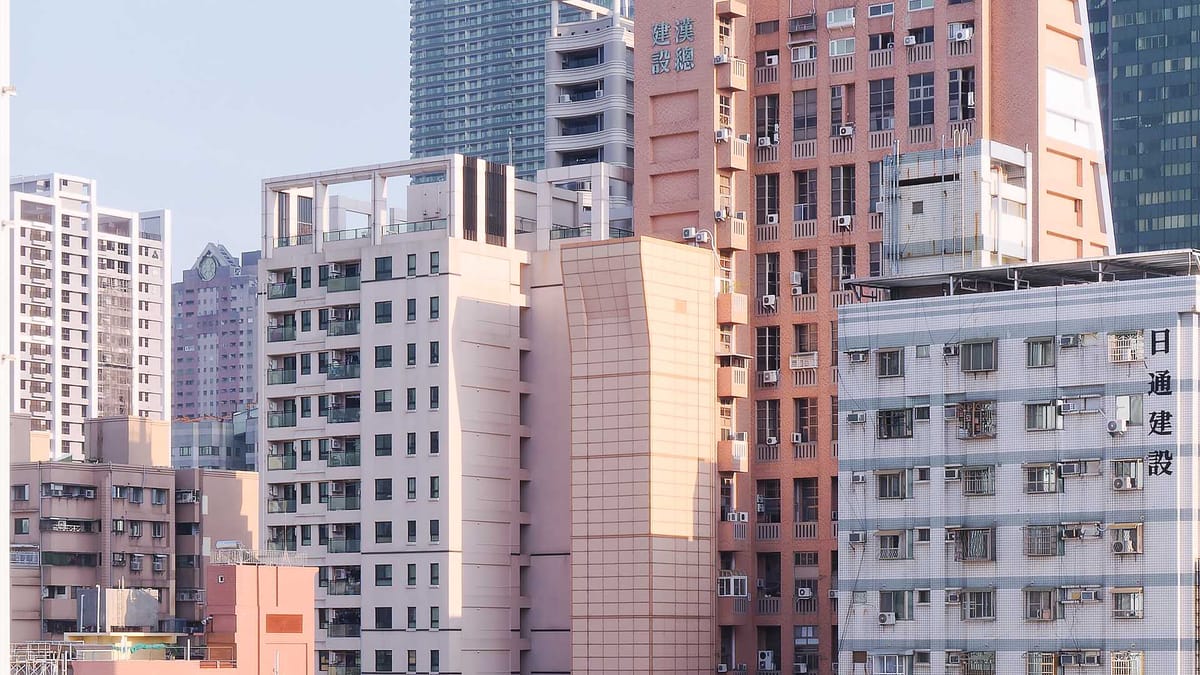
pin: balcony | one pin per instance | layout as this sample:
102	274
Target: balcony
281	419
347	235
298	240
341	284
344	458
343	670
732	455
405	227
806	302
344	587
344	545
766	74
921	52
281	505
732	382
345	502
342	415
920	135
880	58
343	372
733	9
733	308
733	155
841	64
344	630
961	47
962	130
768	605
346	327
878	140
804	450
281	544
281	333
841	145
733	236
804	70
806	530
281	376
285	462
731	74
804	149
766	531
281	289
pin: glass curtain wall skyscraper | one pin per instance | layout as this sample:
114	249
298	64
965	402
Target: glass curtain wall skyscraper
478	79
1145	53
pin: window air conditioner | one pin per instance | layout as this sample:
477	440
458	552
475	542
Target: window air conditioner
804	593
772	440
797	290
724	135
844	223
1066	341
772	218
949	350
1124	483
910	40
764	141
564	98
771	60
797	278
858	538
743	517
846	130
887	618
858	478
768	302
856	417
963	34
857	357
690	232
799	437
770	376
720	59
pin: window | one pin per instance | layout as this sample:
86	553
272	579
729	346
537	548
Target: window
1040	605
435	531
435	262
1127	603
841	47
411	403
1126	347
1127	538
383	489
383	660
383	356
893	546
1039	352
383	575
882	104
158	529
1042	416
898	602
412	265
412	618
978	663
383	312
1129	408
434	398
435	618
895	423
837	18
889	664
1128	663
435	576
766	196
892	485
920	99
978	605
412	660
1041	478
435	487
435	661
979	481
434	444
20	493
383	445
1043	663
974	544
412	531
915	5
435	307
305	277
1043	540
841	190
411	444
1127	474
383	532
890	362
962	94
976	419
977	357
412	574
383	268
766	27
383	400
410	354
383	618
410	309
435	353
881	9
804	116
21	525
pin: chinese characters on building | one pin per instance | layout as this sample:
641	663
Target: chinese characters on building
663	34
1158	462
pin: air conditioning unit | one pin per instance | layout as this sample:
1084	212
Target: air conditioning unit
1116	427
798	278
953	597
772	440
1070	468
335	444
1067	341
804	593
799	437
844	222
797	290
159	565
564	98
768	302
772	218
858	538
858	478
720	215
771	60
1068	407
970	99
89	493
690	232
45	592
1089	596
949	350
766	660
724	135
910	40
720	59
764	141
856	417
743	517
1072	533
770	376
963	34
732	516
1125	483
887	618
801	668
722	668
953	658
1121	546
739	215
337	530
846	130
857	357
1070	659
702	237
953	473
833	594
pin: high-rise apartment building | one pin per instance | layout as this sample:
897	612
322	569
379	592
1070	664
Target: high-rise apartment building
89	321
215	443
1016	474
900	136
214	308
1148	96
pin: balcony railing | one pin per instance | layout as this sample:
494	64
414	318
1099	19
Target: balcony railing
343	372
766	531
281	419
347	327
281	376
570	232
343	670
281	545
404	227
281	462
344	235
345	587
339	284
281	333
344	630
347	458
281	506
343	415
345	502
298	240
281	289
344	545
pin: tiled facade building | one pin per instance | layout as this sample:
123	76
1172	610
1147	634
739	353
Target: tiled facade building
92	331
214	309
1016	476
805	144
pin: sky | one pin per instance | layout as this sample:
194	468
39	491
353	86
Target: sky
189	104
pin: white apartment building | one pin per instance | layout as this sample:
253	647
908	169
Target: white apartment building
1016	480
90	327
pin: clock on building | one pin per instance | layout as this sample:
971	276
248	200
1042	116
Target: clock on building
207	267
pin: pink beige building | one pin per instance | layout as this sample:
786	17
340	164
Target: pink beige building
121	517
808	143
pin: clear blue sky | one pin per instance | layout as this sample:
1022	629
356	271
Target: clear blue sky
189	104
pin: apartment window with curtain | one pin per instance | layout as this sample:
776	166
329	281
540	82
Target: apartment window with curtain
805	414
841	190
805	207
766	197
843	261
766	116
806	264
767	420
962	94
804	115
882	104
767	348
766	274
920	99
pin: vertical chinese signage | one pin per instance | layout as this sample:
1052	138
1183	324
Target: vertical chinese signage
1159	399
671	46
